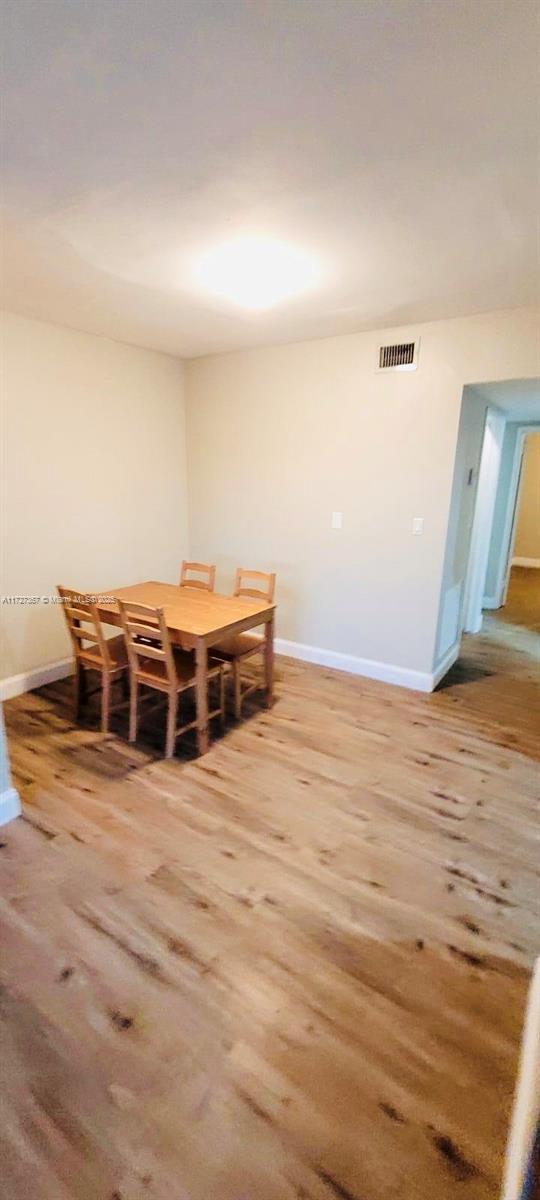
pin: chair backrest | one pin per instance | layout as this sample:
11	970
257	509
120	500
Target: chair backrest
147	637
84	625
258	584
189	569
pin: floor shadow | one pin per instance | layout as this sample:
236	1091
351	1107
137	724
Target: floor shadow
463	671
106	758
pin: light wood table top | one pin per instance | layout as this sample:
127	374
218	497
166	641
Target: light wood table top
191	613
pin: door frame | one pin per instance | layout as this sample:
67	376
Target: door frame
484	510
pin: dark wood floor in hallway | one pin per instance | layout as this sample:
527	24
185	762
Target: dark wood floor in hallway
294	969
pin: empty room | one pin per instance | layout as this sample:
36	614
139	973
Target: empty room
270	600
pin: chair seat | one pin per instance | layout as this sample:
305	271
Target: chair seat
117	653
153	671
236	645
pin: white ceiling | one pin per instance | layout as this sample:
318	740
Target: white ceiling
395	139
518	398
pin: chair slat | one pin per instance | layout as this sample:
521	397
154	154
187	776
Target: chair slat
85	635
146	651
264	575
136	606
242	585
207	569
137	629
78	613
255	592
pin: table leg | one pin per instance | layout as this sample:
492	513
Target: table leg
201	694
269	661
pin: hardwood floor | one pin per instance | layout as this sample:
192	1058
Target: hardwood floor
294	968
522	608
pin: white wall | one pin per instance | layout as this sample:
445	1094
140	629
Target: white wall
279	437
94	475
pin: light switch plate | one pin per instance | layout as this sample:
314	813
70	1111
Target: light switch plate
337	520
418	525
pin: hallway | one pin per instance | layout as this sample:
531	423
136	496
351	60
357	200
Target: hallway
522	608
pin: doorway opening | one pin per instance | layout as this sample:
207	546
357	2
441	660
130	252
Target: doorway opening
506	527
492	560
523	549
503	576
517	600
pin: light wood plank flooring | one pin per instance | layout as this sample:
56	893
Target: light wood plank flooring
294	969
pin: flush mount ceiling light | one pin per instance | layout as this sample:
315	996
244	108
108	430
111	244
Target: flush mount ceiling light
256	272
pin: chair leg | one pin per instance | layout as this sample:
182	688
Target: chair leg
133	711
172	710
105	701
79	691
222	699
237	689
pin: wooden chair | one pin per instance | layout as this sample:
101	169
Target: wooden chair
188	569
154	663
93	652
239	646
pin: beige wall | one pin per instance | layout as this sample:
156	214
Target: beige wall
94	478
527	543
280	437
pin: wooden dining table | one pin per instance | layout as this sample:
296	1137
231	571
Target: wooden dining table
198	620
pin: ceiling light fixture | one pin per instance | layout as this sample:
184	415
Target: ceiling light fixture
256	272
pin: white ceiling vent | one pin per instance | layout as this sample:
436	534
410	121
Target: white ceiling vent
402	356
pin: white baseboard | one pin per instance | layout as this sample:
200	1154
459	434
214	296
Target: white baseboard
419	681
15	685
526	562
10	805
